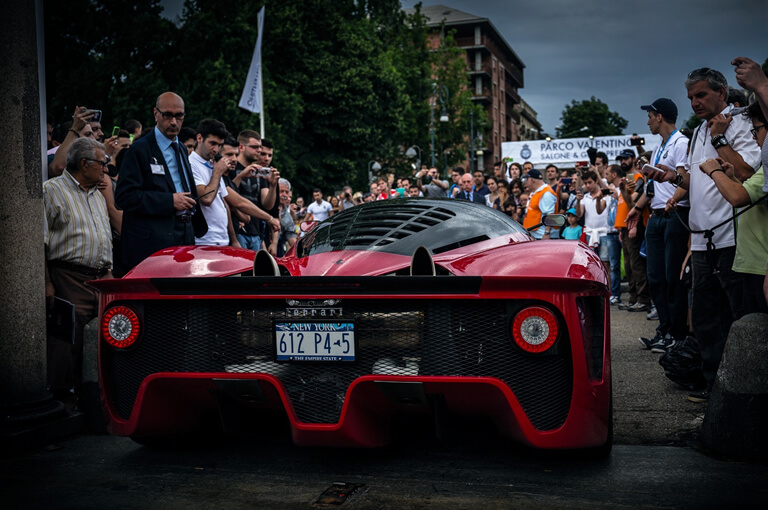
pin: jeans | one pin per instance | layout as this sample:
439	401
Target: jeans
666	240
610	248
635	267
718	300
249	242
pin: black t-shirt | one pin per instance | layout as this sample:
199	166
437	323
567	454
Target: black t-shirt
250	188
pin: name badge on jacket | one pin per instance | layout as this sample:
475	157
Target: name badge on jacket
157	169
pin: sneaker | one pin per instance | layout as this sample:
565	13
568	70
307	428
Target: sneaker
648	342
615	300
638	307
653	315
662	345
627	306
699	397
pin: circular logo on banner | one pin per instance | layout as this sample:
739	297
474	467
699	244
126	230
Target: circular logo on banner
525	153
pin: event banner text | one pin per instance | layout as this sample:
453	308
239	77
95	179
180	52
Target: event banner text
567	151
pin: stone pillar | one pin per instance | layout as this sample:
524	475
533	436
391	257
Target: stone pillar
22	283
737	413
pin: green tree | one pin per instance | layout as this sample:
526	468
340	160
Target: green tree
594	115
344	82
107	55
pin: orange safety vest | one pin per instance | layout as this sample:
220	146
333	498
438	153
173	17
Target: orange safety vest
533	215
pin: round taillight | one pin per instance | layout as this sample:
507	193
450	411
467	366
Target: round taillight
120	327
535	329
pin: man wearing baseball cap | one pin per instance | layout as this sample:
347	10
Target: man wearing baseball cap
542	201
666	237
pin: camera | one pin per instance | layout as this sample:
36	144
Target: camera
637	141
605	191
263	171
96	115
649	191
566	180
217	157
426	179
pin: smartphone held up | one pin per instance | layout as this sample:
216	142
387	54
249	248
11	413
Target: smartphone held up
652	172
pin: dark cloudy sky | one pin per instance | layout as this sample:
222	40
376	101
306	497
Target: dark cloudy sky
623	52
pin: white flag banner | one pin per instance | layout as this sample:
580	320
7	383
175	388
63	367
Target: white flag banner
252	91
568	151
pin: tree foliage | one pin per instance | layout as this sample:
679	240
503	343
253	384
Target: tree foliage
594	115
345	81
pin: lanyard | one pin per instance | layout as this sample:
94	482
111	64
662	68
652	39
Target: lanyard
658	154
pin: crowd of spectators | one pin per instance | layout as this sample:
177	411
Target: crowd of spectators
112	201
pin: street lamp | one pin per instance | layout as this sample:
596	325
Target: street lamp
472	151
412	153
372	165
439	93
571	133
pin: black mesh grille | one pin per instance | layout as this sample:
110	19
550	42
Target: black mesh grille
395	337
592	317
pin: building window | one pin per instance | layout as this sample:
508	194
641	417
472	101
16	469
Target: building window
478	36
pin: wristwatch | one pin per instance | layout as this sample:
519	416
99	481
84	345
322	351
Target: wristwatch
719	141
679	177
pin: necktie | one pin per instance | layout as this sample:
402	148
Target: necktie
180	166
466	195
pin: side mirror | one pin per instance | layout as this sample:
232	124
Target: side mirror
549	220
553	220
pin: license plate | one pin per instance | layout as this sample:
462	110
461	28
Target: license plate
315	341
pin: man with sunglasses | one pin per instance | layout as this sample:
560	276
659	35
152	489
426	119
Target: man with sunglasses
156	189
717	289
78	248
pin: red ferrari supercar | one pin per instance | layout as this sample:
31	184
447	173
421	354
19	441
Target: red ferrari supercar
394	308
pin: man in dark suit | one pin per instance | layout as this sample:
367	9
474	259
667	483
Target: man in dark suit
156	189
466	193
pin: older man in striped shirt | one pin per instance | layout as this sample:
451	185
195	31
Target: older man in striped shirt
78	243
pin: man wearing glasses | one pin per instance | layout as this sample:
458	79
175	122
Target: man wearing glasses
156	189
248	184
78	248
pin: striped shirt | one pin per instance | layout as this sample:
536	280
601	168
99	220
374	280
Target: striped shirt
76	223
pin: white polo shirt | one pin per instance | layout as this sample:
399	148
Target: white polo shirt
673	155
320	211
215	214
708	207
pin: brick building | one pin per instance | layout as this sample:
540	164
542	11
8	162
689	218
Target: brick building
494	75
530	127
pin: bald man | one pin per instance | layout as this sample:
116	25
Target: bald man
466	183
156	189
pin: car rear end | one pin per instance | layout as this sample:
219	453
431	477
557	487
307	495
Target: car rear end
342	357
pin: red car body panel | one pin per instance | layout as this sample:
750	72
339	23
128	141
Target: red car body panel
556	273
